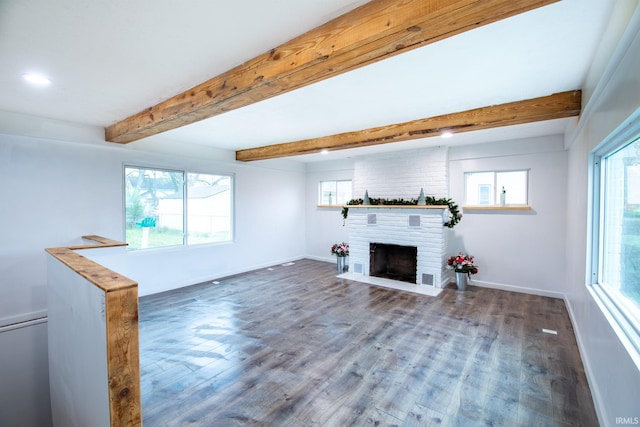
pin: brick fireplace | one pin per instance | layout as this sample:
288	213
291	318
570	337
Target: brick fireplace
401	175
418	227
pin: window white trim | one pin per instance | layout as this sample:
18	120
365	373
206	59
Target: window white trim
623	322
624	329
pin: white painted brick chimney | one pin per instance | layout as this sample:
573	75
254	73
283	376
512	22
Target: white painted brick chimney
402	175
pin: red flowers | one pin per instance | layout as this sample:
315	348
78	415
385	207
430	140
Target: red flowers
462	263
340	249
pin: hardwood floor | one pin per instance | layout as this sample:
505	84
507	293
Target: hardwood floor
295	346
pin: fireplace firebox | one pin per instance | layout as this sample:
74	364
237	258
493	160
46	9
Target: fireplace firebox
393	261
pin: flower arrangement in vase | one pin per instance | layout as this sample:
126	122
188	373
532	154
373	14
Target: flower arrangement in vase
464	267
340	249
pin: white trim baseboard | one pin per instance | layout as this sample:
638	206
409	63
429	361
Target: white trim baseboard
519	289
595	392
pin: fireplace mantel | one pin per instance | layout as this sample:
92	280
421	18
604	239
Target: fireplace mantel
396	206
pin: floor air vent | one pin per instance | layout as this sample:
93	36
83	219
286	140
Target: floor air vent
427	279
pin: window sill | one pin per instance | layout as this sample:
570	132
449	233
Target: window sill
497	208
625	331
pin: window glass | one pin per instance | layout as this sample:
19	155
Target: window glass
514	184
153	208
494	188
620	225
480	188
335	192
157	213
343	192
327	192
209	208
484	194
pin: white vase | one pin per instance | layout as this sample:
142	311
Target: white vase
462	280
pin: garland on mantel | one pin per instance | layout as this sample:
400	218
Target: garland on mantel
454	217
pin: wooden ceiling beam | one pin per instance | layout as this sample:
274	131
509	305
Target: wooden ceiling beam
560	105
373	32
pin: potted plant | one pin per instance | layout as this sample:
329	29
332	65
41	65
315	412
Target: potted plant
341	251
463	265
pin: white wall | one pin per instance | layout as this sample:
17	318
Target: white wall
53	192
613	376
24	370
269	230
515	250
324	225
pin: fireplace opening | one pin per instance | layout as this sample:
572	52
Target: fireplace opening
393	261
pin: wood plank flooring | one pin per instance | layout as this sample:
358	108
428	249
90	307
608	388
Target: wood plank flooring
296	346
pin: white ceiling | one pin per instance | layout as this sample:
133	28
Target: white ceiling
109	59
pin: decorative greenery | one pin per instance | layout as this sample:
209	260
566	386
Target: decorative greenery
340	249
462	263
454	212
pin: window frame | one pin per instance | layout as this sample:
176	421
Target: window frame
494	196
335	181
185	209
625	323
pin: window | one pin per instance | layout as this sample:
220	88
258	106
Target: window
335	192
616	256
209	208
495	188
169	208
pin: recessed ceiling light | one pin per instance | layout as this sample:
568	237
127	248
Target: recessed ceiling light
324	152
446	134
36	79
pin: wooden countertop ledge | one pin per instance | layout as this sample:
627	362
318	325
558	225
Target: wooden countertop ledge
100	276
